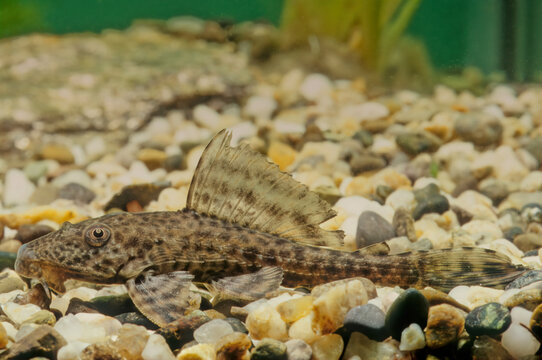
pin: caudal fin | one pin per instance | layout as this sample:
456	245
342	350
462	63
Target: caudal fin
447	268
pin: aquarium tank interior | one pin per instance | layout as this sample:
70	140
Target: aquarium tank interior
293	179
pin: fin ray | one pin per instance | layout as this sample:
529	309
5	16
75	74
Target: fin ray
251	286
447	268
163	298
238	185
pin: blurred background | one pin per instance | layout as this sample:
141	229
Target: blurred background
496	38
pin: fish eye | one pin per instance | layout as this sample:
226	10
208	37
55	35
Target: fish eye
97	235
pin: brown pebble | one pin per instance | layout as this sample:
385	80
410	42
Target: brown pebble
133	206
233	346
104	351
403	224
37	295
528	299
529	241
213	314
444	325
29	232
57	152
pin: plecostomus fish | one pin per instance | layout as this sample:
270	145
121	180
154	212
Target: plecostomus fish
247	229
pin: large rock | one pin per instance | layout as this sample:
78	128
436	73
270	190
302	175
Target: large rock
44	341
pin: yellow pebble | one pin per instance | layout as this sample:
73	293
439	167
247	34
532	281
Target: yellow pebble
294	309
198	352
328	347
281	154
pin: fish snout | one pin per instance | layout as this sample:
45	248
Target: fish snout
25	264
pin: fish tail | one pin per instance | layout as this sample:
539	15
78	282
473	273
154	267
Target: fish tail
447	268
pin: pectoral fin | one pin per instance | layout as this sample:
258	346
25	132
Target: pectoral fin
163	298
249	286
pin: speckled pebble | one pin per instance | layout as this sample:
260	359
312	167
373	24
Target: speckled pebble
489	319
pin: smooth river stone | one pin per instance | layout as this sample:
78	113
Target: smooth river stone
369	320
372	228
489	319
409	307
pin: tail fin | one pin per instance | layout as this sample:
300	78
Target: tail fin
448	268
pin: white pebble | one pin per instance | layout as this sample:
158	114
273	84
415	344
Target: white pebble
83	293
74	176
260	106
11	331
72	351
212	331
412	338
19	313
521	315
365	112
315	86
87	327
206	116
519	341
157	348
17	188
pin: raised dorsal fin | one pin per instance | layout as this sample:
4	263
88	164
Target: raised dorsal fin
238	185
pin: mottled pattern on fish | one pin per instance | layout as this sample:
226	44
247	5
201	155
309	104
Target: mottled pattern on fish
247	227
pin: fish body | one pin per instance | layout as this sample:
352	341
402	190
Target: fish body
247	229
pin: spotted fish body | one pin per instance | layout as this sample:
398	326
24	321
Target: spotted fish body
247	228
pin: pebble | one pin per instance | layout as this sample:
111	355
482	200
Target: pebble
29	232
264	322
17	188
131	340
328	347
233	346
35	170
19	313
444	325
10	280
365	348
42	317
3	337
297	349
42	341
416	143
429	200
369	320
331	307
412	338
372	228
100	351
403	224
315	86
269	349
519	341
479	128
77	193
366	162
89	328
484	347
489	319
302	329
260	107
57	152
281	154
409	307
156	348
73	176
294	309
528	299
212	331
198	352
528	242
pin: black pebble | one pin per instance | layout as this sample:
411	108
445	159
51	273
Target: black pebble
409	307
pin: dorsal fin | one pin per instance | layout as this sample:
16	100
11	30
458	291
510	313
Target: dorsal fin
238	185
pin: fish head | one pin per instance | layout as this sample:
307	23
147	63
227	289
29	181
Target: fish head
91	250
